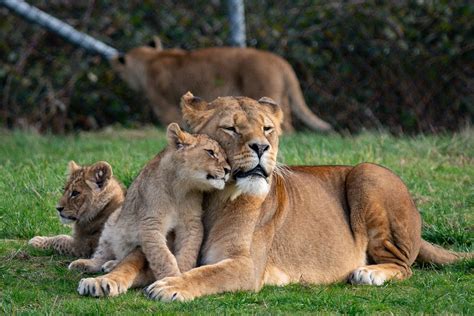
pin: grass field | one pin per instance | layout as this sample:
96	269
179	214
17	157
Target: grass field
439	171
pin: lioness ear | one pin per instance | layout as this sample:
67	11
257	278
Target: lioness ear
177	137
98	175
156	43
195	111
274	108
72	166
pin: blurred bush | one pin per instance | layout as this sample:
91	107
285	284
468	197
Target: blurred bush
403	66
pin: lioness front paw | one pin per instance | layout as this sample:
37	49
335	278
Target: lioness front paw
100	287
109	266
169	289
368	276
39	242
84	265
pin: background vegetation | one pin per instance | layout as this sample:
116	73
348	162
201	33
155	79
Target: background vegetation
439	171
404	66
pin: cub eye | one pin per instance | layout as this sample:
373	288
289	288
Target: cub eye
211	153
230	129
267	128
75	193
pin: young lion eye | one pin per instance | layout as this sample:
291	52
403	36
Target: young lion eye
75	193
267	128
211	153
230	129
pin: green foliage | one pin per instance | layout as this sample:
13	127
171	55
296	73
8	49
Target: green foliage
439	171
405	66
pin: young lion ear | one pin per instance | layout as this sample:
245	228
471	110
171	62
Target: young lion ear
177	137
156	43
98	175
195	111
72	166
274	107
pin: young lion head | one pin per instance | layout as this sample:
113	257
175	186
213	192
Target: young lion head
198	159
87	191
248	130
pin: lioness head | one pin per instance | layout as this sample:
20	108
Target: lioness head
88	189
132	66
247	129
198	159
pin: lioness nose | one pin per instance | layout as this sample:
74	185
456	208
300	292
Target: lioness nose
60	208
259	148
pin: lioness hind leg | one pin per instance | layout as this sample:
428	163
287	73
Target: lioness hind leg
384	221
377	274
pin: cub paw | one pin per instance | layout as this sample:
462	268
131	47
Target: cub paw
39	242
168	290
100	287
109	266
84	265
368	276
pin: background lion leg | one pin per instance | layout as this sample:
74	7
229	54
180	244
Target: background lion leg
385	220
131	272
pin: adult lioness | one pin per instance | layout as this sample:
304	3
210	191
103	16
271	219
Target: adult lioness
164	75
318	224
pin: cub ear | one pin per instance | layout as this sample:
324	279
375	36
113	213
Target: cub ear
274	108
195	111
177	137
156	43
98	175
72	166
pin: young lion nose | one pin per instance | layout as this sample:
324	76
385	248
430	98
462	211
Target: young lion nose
226	171
259	148
60	208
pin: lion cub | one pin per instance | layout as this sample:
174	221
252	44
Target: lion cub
166	196
91	195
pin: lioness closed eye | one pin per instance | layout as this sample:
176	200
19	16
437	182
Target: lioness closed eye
165	197
91	195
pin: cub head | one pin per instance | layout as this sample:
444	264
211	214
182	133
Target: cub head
132	66
87	191
198	159
247	129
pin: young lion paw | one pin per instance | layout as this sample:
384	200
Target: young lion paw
109	266
39	242
168	290
365	275
84	265
100	287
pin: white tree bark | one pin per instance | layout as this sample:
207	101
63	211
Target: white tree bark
237	22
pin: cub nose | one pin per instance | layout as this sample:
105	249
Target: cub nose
260	149
226	171
60	208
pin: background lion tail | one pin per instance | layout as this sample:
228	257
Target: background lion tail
299	107
430	253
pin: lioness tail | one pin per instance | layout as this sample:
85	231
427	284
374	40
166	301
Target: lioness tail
430	253
299	108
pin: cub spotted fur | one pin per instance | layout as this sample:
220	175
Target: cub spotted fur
165	74
165	197
91	195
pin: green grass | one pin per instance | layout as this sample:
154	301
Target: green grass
439	170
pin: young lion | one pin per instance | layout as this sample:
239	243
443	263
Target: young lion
91	195
165	197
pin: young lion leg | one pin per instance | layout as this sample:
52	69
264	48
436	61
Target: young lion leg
101	256
188	242
385	220
132	271
63	244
